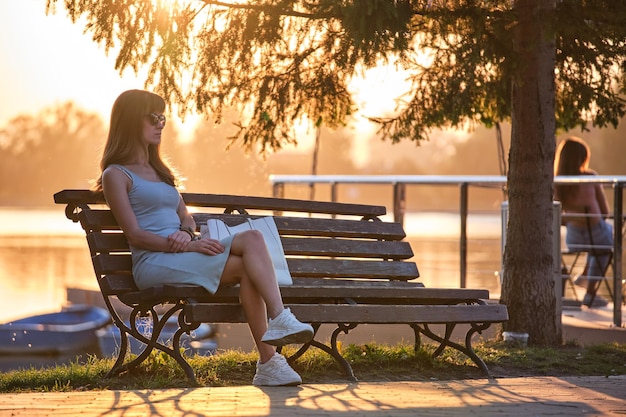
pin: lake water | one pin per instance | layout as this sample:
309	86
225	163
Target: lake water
42	253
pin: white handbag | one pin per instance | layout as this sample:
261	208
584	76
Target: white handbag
217	229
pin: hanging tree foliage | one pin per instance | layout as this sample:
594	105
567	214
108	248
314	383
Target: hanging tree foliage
278	61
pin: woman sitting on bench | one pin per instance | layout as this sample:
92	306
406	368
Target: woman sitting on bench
140	188
584	208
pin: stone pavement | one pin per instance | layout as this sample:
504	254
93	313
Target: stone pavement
536	396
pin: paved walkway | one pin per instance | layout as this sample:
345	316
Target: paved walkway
537	396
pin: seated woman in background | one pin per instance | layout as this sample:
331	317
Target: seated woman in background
585	208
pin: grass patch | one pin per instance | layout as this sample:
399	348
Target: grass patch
370	362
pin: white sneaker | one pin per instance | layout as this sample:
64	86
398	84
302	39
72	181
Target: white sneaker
286	329
276	372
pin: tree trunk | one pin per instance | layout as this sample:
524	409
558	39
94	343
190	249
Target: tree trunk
528	287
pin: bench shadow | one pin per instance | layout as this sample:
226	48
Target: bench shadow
154	403
548	396
442	399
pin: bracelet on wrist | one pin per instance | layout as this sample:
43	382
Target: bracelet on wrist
189	231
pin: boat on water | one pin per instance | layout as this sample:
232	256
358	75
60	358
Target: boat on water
73	329
201	341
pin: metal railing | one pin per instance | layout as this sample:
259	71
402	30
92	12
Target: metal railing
400	183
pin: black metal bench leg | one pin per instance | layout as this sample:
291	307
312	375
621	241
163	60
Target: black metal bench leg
178	357
118	365
184	327
174	351
153	343
332	350
467	349
449	329
417	344
476	328
303	348
121	356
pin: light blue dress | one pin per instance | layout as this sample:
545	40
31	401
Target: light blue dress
155	205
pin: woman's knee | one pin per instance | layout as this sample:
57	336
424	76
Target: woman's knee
252	238
246	239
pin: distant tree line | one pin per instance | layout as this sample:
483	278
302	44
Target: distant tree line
60	148
42	153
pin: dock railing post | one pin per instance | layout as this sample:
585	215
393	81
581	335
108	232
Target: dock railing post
399	202
278	189
463	235
618	222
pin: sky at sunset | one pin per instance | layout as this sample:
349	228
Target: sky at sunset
47	60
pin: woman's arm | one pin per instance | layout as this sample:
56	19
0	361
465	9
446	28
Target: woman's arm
187	233
602	201
186	220
115	185
207	246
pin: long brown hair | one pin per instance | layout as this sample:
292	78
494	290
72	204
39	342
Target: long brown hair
572	158
126	132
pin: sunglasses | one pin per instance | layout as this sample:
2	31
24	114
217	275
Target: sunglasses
156	118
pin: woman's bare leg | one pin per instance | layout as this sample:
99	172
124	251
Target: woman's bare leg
250	265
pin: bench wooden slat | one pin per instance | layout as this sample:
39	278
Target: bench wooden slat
107	264
346	248
107	242
231	202
431	314
394	291
348	268
315	268
362	314
116	242
95	219
78	197
117	284
414	290
312	290
304	226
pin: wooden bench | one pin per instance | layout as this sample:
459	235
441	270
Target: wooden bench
349	268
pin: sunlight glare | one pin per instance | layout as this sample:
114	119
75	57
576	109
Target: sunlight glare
187	128
375	95
304	132
169	3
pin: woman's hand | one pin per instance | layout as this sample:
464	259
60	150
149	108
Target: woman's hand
178	241
206	246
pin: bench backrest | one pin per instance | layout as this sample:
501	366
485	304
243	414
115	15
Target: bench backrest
321	239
